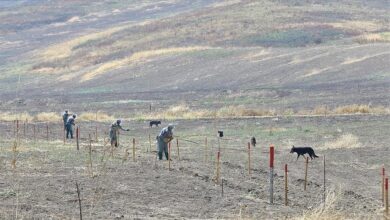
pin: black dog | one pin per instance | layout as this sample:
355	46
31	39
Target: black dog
253	141
151	123
303	150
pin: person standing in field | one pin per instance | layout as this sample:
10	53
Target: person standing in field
70	123
65	117
114	130
165	136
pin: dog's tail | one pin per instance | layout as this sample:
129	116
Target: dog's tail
314	155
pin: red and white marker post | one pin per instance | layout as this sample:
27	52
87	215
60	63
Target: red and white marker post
271	174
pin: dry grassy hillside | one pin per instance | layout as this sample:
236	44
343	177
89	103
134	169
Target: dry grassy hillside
325	51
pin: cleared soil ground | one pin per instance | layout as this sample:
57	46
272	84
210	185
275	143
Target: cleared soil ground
43	183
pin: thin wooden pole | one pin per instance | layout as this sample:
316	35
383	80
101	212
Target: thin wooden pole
169	156
271	174
96	133
218	167
90	153
383	184
134	149
306	166
78	195
178	149
387	195
222	180
117	138
285	185
15	128
77	137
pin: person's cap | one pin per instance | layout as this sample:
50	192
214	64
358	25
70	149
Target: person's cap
74	116
118	121
171	126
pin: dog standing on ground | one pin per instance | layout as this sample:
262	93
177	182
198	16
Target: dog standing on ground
253	142
303	150
151	123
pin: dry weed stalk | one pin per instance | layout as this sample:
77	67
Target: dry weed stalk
126	155
324	211
344	141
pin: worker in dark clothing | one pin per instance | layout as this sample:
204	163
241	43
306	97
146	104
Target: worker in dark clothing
114	130
69	126
165	136
65	117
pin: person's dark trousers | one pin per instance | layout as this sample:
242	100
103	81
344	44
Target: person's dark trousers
166	155
69	131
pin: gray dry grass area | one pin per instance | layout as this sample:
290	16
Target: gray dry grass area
42	185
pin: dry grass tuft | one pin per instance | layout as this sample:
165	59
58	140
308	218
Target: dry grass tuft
7	116
325	211
322	110
241	111
54	117
99	116
374	38
344	141
361	109
48	117
182	111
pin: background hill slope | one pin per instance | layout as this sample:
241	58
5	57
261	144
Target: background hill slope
284	54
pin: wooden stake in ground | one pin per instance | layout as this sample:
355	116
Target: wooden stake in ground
169	156
387	196
78	195
14	128
17	132
249	159
217	172
271	174
96	133
90	154
17	128
77	137
178	149
134	149
222	186
117	138
285	185
306	166
383	185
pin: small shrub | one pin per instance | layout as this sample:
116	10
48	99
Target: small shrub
344	141
7	116
47	116
99	116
